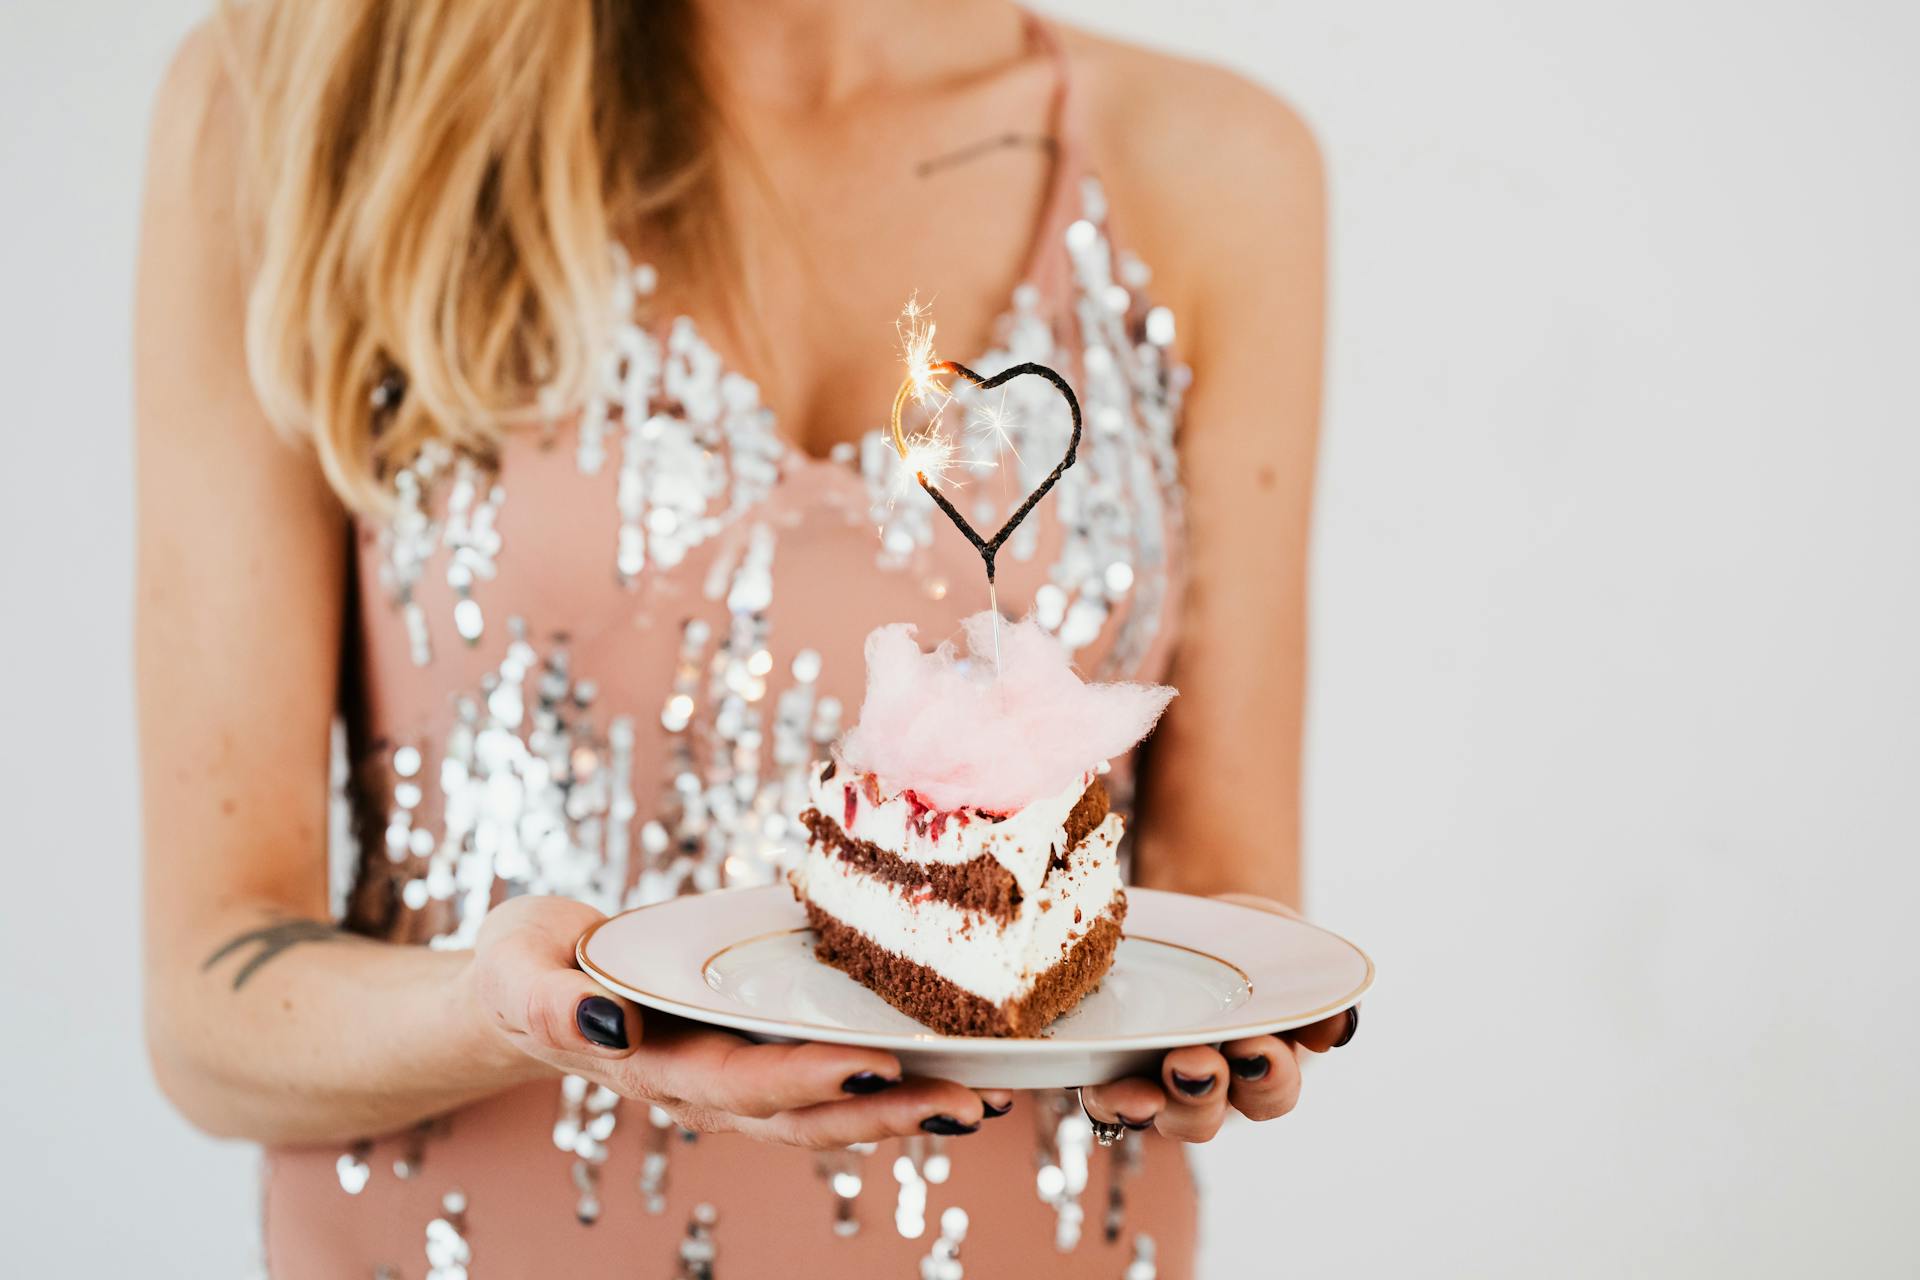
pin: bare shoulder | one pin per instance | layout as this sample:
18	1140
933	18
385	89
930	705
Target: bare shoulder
196	126
193	270
198	84
1169	98
1181	143
196	208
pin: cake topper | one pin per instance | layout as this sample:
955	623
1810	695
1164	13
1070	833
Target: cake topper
926	455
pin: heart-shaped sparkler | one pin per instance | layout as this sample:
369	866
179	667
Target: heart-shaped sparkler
919	381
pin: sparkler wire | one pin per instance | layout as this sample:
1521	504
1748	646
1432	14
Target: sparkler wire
987	547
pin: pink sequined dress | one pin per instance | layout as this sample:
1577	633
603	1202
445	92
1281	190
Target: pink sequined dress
601	667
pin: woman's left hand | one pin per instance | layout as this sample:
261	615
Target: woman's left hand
1259	1076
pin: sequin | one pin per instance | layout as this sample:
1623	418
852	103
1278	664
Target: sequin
943	1260
728	803
407	541
1064	1140
844	1172
1158	327
472	542
697	448
653	1161
588	1116
532	798
448	1252
352	1168
413	534
1122	1167
910	1205
698	1251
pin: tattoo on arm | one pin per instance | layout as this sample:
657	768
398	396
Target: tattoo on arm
272	940
974	150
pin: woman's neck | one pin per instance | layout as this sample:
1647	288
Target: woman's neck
802	56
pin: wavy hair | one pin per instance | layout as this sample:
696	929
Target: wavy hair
435	185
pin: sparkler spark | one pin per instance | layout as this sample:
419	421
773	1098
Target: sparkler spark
916	329
926	457
927	460
995	423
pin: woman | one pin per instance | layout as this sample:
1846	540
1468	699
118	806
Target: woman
586	597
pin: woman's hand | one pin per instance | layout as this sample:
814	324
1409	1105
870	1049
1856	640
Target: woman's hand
1259	1076
540	1010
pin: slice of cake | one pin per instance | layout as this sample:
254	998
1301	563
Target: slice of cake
975	923
962	859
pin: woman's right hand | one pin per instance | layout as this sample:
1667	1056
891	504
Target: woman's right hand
533	1004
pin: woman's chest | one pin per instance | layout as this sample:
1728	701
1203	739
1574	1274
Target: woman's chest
601	666
673	493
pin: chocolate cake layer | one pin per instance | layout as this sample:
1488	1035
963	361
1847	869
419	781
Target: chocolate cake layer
1088	813
979	884
931	999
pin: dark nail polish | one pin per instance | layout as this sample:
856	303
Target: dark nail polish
1353	1025
602	1021
867	1082
1192	1087
993	1112
1254	1068
1135	1125
947	1126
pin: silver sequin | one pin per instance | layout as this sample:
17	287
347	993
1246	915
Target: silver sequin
845	1174
1065	1141
588	1116
352	1168
697	448
448	1252
653	1161
943	1260
698	1251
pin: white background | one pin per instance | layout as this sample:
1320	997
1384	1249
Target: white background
1616	704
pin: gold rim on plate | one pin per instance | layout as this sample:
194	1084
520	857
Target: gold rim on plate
983	1043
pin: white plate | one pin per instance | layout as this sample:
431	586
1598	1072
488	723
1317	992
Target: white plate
1189	971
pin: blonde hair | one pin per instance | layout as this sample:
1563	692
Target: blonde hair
436	185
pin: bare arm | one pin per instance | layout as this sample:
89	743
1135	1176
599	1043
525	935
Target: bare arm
263	1021
1220	798
1220	804
241	581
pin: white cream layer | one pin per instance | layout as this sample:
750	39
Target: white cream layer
1021	842
997	962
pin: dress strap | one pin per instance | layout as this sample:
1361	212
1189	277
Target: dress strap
1062	199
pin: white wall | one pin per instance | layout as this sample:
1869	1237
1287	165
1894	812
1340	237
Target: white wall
97	1176
1616	716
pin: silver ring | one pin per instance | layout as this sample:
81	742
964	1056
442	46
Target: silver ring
1105	1132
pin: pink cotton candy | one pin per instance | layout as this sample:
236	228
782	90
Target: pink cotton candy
949	727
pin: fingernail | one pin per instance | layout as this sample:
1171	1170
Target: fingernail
1135	1125
1192	1087
867	1082
1353	1025
947	1126
1254	1068
993	1112
602	1021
